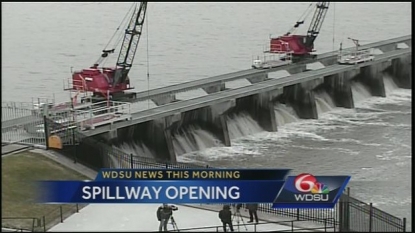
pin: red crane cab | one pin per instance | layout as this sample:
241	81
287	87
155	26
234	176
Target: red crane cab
296	44
99	81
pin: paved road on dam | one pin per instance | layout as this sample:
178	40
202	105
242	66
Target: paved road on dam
221	79
219	97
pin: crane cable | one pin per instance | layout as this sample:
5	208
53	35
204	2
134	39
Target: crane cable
334	23
302	18
126	25
116	30
148	66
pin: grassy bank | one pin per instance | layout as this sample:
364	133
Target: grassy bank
19	192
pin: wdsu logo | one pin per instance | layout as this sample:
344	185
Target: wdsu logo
309	191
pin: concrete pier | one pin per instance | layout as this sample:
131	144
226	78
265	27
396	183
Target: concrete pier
401	71
372	77
302	100
155	135
260	107
211	119
338	86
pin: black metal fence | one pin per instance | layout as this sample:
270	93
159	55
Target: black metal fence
256	227
358	216
40	223
350	214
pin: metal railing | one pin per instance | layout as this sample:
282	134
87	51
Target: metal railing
272	57
21	122
99	113
20	223
41	223
58	215
253	227
362	52
362	217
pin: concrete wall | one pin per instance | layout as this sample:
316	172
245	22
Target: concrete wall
301	98
401	71
260	107
371	77
155	135
338	86
211	119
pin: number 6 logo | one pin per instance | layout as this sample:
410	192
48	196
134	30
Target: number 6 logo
304	182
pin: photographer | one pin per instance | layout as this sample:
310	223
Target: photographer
252	208
225	215
164	213
238	207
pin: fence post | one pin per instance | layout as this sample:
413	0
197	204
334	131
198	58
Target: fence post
44	223
45	128
60	210
340	210
347	211
298	214
131	160
75	157
33	224
370	217
325	225
404	225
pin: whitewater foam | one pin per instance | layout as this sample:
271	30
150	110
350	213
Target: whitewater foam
284	114
359	92
194	139
242	125
324	102
137	148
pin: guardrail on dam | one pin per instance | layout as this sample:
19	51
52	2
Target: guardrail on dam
209	112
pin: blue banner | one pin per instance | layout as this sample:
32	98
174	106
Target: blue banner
162	191
192	174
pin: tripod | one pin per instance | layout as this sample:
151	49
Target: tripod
239	218
174	224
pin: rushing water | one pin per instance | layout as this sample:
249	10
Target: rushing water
189	41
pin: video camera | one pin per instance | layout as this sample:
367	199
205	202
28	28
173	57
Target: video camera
237	206
172	207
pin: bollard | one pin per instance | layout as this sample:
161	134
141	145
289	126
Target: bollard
60	209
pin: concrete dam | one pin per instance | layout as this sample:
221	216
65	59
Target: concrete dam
177	126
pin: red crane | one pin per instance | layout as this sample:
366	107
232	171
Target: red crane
110	82
301	46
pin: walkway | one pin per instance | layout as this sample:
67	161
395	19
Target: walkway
133	217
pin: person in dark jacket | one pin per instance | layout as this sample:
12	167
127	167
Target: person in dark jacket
225	215
163	215
252	208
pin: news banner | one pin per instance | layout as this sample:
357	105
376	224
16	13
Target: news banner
191	186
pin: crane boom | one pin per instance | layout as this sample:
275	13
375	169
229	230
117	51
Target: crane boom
130	43
316	22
